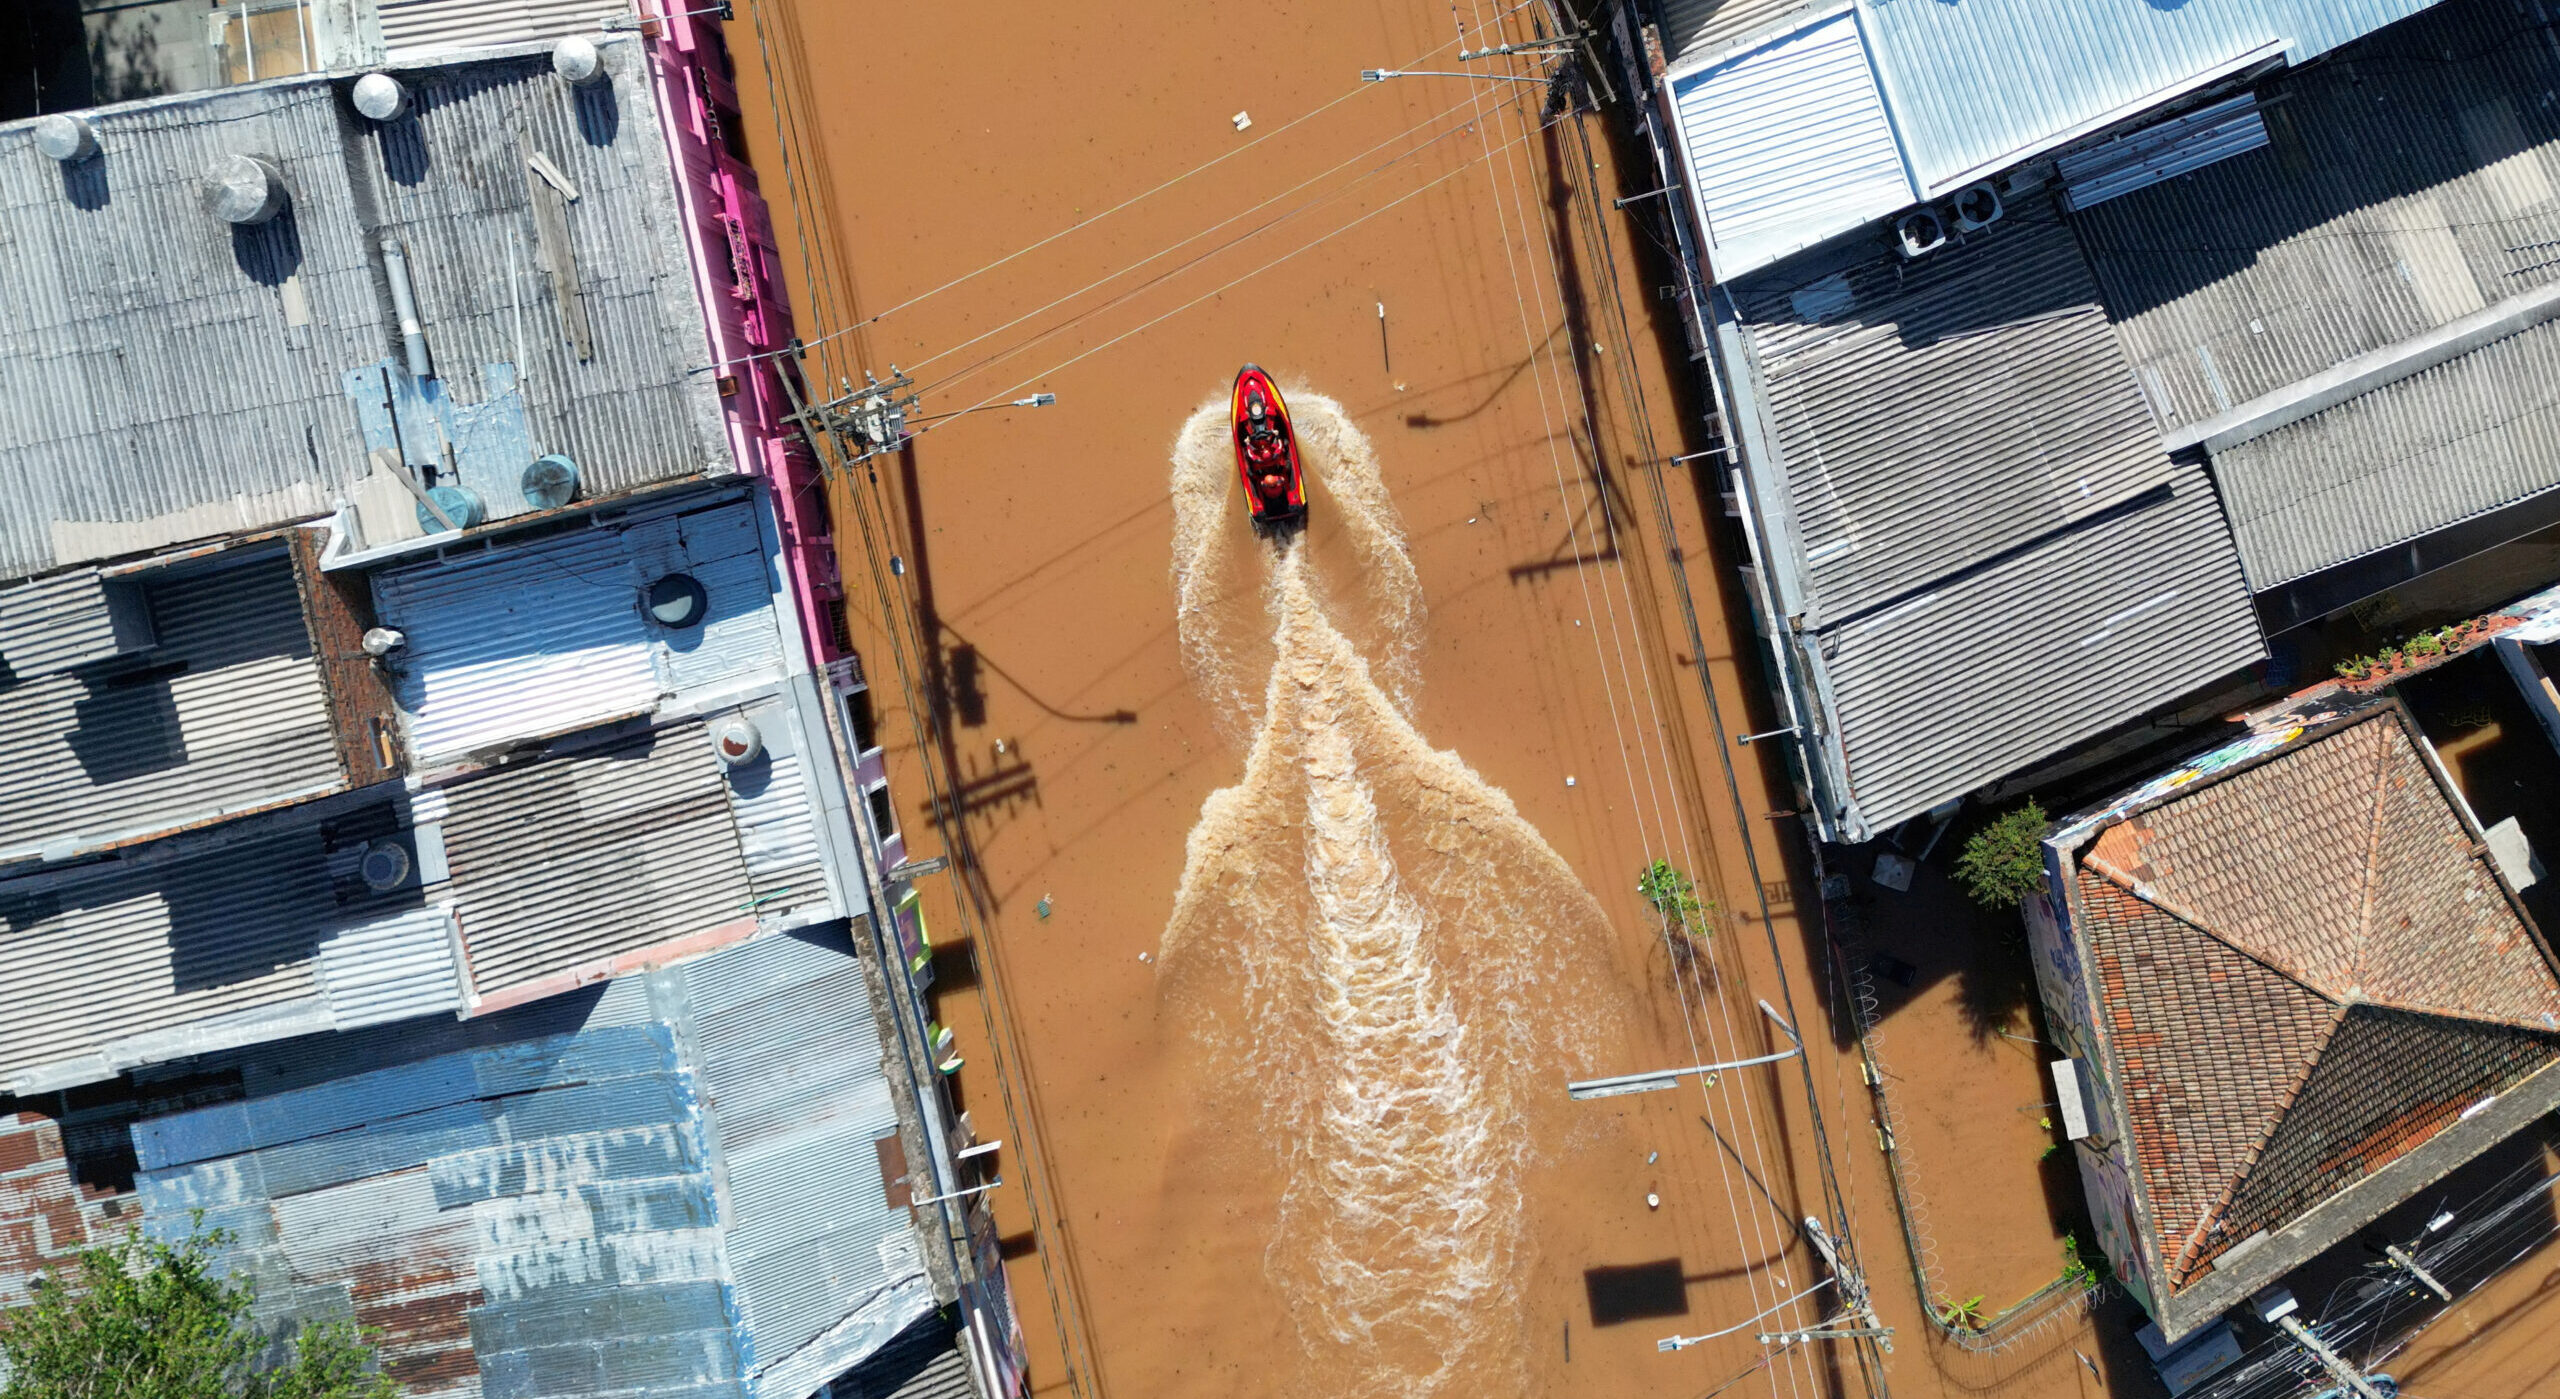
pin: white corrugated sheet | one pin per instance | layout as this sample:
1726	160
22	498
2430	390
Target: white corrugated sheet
390	968
411	28
550	636
1788	144
226	714
776	812
2137	160
236	942
561	863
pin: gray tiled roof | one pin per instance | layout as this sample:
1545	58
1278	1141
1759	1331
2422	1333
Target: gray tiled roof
170	377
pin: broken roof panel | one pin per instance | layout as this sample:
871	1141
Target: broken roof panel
171	377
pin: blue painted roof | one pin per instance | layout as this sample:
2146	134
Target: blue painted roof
1792	136
662	1189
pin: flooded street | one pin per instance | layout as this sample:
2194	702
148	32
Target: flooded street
1304	872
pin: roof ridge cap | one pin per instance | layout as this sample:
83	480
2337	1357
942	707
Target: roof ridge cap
2249	1159
2367	881
2141	889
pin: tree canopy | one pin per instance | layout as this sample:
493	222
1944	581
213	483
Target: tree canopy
143	1318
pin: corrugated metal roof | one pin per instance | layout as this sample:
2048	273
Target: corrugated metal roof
924	1362
531	639
171	378
2163	150
414	27
234	939
775	804
826	1269
1987	673
2400	192
1702	28
1933	413
225	714
562	863
2468	436
634	1193
1788	144
71	619
1981	85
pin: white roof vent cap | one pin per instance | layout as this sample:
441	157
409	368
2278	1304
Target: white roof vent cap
66	138
380	97
576	61
245	189
738	743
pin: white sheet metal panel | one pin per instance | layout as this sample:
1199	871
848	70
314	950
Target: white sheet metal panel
1705	27
391	968
225	715
777	815
560	863
551	636
70	619
411	28
1788	144
2166	150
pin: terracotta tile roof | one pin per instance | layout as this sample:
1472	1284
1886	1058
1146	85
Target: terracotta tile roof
2307	968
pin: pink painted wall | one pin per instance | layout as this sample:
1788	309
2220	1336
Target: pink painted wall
738	273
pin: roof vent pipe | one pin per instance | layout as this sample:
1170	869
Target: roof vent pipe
577	62
413	337
380	97
66	138
245	189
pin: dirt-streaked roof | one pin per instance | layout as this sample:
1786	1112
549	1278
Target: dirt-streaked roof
2308	968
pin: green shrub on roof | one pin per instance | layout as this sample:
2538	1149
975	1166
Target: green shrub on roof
2003	862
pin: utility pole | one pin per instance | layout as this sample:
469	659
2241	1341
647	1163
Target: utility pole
1857	1319
2277	1307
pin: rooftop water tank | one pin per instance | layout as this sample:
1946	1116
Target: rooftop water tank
460	502
380	97
551	482
577	62
66	138
245	189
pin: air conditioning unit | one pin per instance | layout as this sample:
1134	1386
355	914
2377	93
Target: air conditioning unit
1977	206
1922	231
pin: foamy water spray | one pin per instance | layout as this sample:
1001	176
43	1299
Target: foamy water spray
1389	970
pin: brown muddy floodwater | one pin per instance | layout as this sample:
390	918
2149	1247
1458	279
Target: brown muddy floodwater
1306	871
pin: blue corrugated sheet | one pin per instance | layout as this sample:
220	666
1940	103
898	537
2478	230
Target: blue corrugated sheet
539	638
661	1189
1982	84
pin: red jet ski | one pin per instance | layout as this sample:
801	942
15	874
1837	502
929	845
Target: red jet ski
1275	489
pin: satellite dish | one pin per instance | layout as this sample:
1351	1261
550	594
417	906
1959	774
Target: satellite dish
551	482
